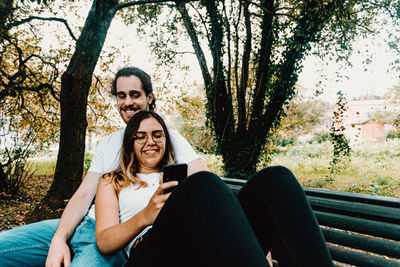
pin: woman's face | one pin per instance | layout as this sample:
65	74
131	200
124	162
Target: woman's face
149	145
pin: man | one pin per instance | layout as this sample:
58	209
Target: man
51	241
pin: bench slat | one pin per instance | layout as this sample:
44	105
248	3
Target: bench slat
368	211
353	240
354	197
360	225
347	255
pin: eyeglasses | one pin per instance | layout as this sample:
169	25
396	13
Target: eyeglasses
157	136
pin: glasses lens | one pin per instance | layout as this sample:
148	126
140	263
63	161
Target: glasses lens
157	137
141	138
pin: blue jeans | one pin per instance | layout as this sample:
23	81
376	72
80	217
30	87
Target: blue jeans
28	245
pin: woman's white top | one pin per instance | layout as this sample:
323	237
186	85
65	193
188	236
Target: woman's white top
132	200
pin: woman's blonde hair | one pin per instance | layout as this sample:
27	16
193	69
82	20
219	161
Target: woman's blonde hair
125	174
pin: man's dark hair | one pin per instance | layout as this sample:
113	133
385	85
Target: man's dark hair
144	78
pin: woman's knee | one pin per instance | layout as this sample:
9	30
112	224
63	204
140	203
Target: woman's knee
203	184
274	178
203	179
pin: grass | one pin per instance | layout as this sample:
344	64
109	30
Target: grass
374	168
44	167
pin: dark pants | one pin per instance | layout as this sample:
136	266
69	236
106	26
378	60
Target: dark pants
204	224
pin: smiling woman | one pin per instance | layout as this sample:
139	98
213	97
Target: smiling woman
201	218
125	193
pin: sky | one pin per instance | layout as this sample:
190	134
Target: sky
374	78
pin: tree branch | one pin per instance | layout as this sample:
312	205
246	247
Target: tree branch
195	42
241	92
202	21
17	23
143	2
263	68
305	33
228	36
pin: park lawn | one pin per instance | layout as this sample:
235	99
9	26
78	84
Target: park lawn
374	169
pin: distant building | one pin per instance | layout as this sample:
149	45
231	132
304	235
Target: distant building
366	130
360	123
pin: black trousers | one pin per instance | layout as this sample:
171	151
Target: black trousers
204	224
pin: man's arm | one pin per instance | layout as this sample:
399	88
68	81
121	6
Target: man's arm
75	210
197	165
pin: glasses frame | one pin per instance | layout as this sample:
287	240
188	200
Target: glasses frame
155	140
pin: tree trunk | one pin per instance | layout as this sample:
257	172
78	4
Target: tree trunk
75	87
3	180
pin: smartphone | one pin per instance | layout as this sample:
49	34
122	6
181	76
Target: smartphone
174	172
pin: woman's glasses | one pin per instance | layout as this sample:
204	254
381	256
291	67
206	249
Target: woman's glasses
157	136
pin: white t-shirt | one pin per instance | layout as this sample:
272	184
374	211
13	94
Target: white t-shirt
132	200
107	154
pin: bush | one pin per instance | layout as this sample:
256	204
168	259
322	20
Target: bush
15	169
14	166
393	135
320	138
283	141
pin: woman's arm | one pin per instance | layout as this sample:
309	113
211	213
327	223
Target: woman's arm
197	165
112	235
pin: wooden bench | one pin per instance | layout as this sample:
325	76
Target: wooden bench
360	230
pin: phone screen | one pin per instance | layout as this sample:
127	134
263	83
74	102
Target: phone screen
174	172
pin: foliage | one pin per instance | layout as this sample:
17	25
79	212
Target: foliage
393	135
15	150
31	72
393	94
302	116
373	168
255	50
186	111
341	147
319	138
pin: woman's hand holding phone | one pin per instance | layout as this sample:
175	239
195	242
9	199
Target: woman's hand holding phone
174	172
173	175
156	202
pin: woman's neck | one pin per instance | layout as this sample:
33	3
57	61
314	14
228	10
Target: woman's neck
145	170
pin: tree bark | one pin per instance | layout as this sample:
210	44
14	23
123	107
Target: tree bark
5	13
75	85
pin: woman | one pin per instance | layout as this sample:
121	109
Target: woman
201	223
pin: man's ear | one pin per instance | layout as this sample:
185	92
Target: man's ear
150	98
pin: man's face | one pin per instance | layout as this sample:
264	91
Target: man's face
131	97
